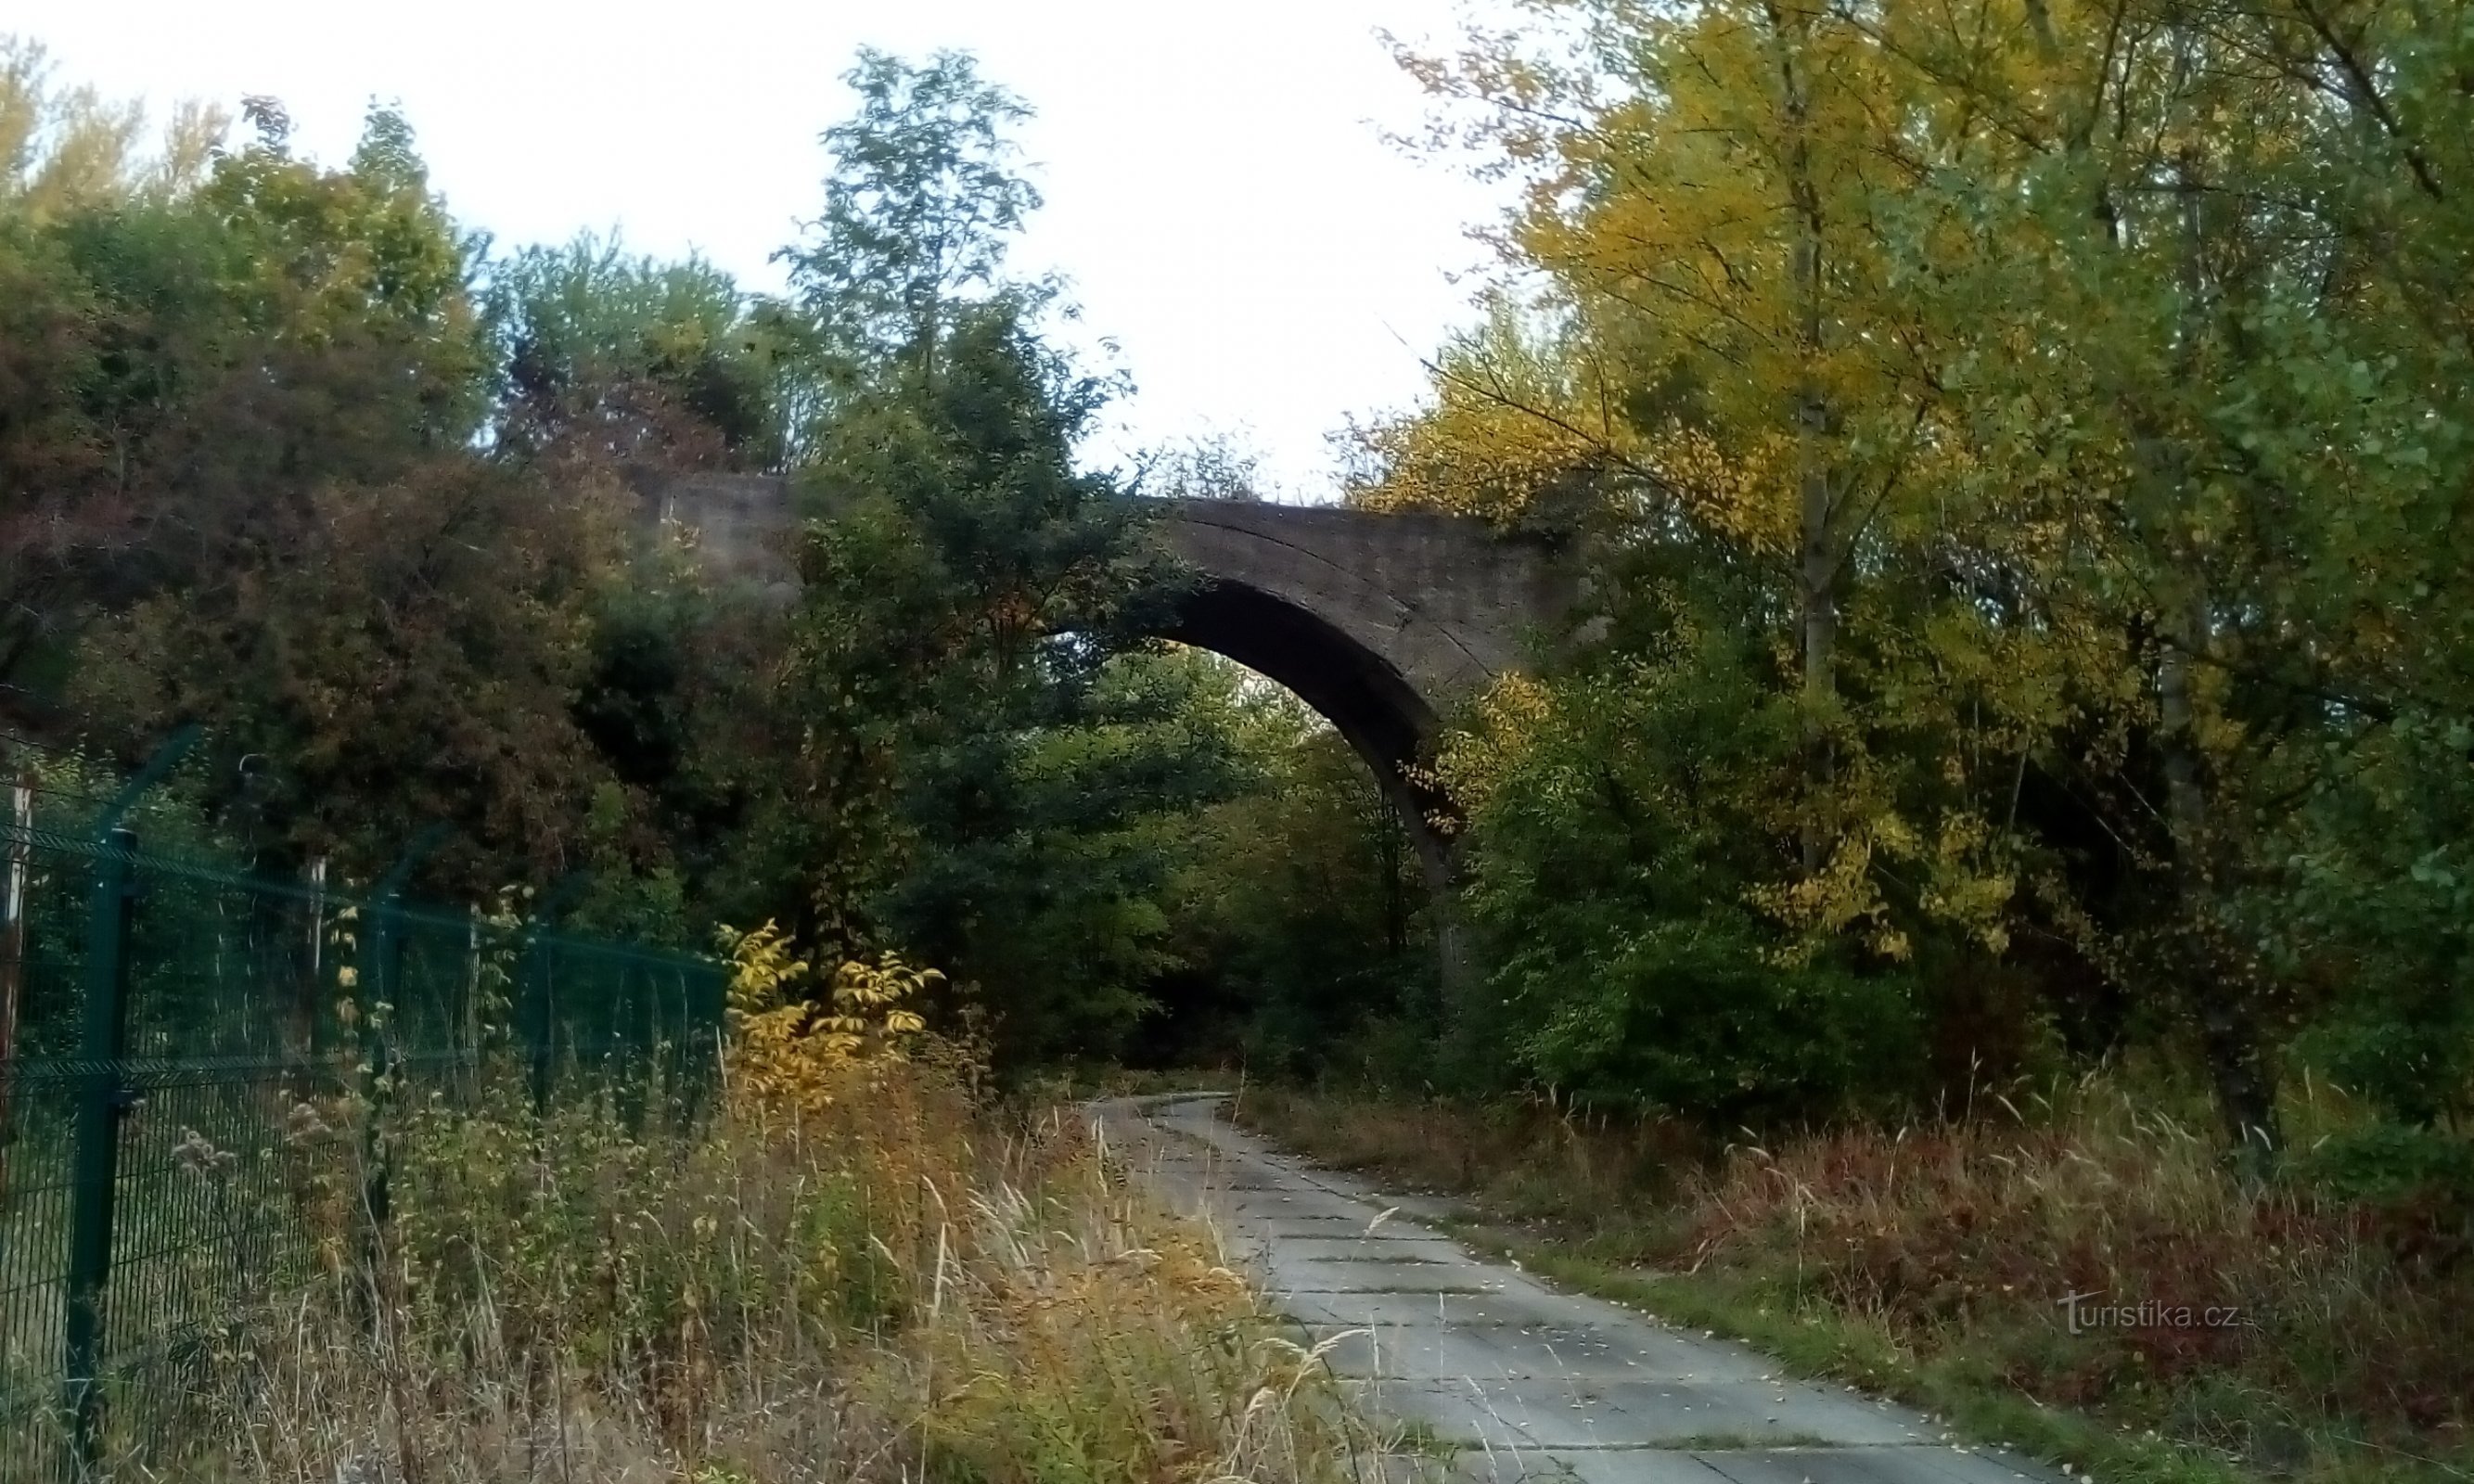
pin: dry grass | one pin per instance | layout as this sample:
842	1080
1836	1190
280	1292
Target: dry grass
1959	1240
892	1283
1530	1162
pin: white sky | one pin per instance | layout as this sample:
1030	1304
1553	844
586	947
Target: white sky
1218	190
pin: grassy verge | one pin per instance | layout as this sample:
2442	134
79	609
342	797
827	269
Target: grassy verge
859	1270
1930	1264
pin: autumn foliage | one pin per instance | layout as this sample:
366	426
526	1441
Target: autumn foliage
2019	451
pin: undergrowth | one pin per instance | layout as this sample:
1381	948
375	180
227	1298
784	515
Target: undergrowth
855	1267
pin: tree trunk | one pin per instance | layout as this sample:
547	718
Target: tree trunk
2228	1021
1816	577
1817	564
2228	1024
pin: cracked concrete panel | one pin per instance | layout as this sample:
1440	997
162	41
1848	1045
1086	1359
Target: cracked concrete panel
1940	1464
1375	1277
1501	1352
1392	1246
1278	1228
1288	1272
1295	1203
1512	1308
1591	1466
1573	1412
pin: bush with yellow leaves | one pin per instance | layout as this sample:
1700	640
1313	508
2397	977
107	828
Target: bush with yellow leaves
791	1050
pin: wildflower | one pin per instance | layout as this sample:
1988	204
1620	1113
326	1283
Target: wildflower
302	1124
195	1154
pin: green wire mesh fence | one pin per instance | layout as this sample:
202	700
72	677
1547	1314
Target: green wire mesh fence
172	1035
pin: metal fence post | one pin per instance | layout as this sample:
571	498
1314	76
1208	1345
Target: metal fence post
535	1022
468	992
103	1098
378	956
308	1030
12	960
684	1068
101	1101
123	1294
381	987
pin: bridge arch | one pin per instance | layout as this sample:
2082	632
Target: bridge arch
1381	623
1370	703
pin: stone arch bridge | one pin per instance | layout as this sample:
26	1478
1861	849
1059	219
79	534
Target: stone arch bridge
1380	623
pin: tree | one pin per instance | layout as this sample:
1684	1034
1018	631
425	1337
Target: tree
2067	382
1301	920
1215	467
69	163
415	657
920	208
69	150
2210	260
969	583
614	359
319	565
1716	359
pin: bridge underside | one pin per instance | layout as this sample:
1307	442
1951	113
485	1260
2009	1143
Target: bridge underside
1363	697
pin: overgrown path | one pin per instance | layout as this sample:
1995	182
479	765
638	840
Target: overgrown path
1527	1382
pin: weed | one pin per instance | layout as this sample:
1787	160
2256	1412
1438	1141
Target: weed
1419	1437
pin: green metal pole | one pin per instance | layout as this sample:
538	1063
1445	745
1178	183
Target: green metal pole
688	1039
537	1024
383	985
376	1061
631	1046
104	1098
309	1011
102	1102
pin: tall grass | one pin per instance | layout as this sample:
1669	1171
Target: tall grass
887	1279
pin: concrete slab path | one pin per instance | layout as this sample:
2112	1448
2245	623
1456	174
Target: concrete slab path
1531	1383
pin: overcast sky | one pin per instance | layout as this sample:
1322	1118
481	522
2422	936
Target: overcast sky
1219	189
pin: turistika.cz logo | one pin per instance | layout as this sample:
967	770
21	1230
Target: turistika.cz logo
2083	1313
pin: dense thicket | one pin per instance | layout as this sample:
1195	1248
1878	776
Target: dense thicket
2027	444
